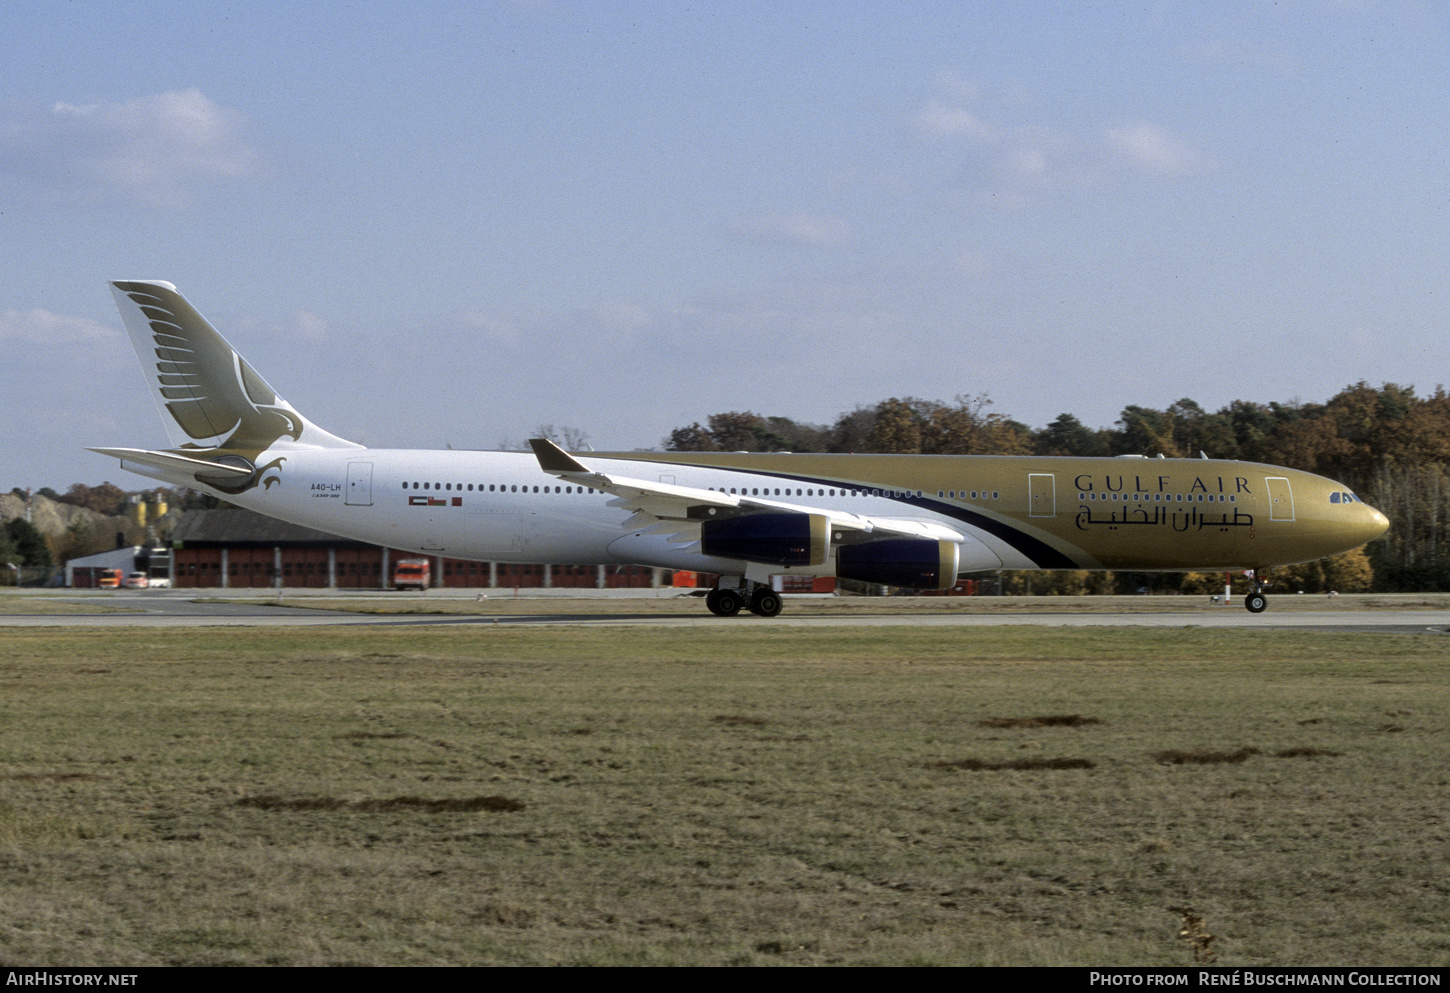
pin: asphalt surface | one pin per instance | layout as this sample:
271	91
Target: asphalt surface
177	608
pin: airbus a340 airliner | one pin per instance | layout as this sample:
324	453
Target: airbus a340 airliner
901	520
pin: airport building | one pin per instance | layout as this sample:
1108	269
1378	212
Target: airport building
240	549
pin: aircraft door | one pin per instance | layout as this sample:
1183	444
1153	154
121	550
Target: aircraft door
359	484
1281	499
1041	494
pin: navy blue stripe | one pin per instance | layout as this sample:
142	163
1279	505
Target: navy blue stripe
1043	555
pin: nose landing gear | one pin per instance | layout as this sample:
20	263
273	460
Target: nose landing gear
1257	601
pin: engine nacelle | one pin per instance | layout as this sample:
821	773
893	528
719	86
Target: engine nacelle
917	563
773	539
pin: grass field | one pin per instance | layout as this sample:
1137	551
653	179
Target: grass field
738	794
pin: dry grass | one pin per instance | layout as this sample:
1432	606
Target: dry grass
734	795
1175	756
1057	721
978	764
455	805
1196	934
30	602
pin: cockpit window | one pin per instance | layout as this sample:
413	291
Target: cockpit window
1342	498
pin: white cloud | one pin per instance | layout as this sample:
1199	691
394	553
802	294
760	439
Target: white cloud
957	86
494	328
309	326
940	121
617	315
1152	149
795	229
41	327
1011	163
154	149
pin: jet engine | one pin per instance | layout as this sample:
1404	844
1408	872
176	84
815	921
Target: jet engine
774	539
918	563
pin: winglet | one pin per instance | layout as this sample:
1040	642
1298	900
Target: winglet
554	459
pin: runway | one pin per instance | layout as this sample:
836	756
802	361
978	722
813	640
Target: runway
188	608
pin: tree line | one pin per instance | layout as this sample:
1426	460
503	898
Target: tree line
1389	445
104	517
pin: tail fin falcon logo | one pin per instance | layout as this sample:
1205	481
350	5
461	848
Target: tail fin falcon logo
219	414
210	391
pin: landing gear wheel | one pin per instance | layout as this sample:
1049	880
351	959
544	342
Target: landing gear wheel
1256	602
724	602
765	602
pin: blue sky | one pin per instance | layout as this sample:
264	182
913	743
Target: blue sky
448	223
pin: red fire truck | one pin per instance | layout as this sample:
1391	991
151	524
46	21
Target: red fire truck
411	574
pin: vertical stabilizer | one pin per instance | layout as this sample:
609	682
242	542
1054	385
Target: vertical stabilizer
210	398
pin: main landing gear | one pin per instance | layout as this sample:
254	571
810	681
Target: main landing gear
726	601
1256	601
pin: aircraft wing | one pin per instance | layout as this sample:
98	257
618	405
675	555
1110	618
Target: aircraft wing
664	508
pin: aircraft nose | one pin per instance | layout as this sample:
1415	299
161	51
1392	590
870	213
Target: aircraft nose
1374	524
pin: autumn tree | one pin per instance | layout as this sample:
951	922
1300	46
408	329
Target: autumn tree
1388	445
796	437
1144	431
693	438
1422	436
107	498
738	431
897	427
968	428
1349	572
1250	425
1415	553
1312	444
1195	431
570	439
852	431
1069	436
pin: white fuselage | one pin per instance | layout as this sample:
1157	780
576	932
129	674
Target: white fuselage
502	507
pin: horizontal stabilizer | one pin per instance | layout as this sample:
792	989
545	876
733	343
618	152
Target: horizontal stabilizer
173	467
